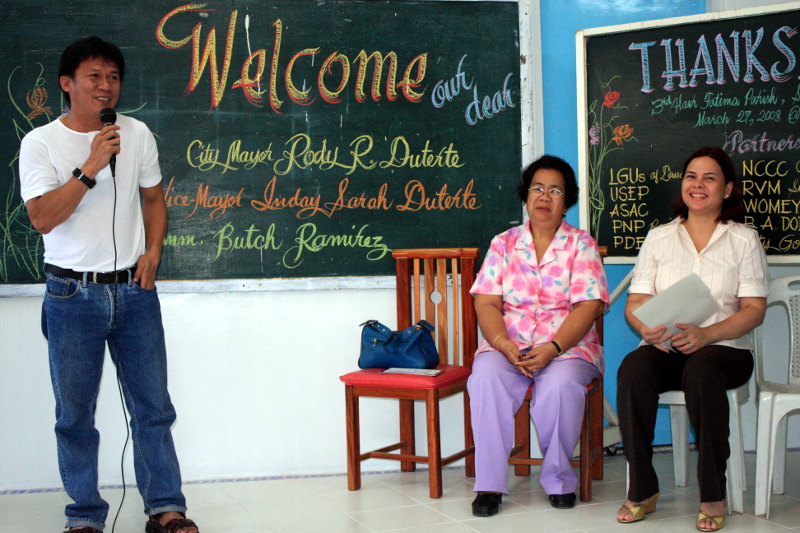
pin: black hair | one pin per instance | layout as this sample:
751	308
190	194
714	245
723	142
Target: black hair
88	48
550	162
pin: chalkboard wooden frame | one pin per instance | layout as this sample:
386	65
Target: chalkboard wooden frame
620	96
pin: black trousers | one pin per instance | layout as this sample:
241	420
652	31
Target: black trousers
704	376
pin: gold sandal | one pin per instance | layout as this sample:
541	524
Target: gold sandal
639	511
719	520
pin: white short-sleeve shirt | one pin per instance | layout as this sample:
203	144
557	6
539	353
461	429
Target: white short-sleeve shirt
733	265
85	242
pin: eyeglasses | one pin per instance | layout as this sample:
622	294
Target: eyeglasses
552	192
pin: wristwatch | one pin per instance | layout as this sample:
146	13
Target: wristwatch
83	178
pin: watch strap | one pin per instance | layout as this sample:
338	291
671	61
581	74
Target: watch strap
83	178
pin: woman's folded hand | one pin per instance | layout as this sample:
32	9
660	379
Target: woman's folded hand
536	359
655	336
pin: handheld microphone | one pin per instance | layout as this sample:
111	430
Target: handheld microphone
108	117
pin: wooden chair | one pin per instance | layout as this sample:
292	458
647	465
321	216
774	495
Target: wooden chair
591	441
423	292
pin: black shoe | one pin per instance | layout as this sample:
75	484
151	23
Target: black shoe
486	504
563	501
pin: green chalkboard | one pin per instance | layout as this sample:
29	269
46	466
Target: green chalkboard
655	92
296	138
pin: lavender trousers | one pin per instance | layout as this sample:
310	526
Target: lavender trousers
496	390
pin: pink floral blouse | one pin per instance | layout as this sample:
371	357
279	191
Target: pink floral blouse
538	297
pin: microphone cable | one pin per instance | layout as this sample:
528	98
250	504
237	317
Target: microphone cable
119	382
124	448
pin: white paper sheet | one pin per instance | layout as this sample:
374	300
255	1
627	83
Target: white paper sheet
688	301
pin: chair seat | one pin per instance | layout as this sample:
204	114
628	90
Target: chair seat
372	377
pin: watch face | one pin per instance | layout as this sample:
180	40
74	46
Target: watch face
77	173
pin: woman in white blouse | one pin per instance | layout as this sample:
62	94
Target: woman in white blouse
706	238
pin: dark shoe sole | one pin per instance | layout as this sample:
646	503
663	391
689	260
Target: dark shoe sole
490	507
562	501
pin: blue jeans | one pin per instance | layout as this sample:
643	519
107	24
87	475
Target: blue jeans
78	319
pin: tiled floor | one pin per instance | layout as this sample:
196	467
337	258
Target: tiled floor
399	502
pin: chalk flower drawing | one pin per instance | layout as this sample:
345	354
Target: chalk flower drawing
622	133
607	134
594	134
36	100
21	244
610	99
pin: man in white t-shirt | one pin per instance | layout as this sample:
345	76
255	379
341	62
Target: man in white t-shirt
92	186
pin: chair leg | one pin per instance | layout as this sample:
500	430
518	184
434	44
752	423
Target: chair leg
679	421
736	458
469	442
522	437
776	420
597	432
353	440
584	479
407	435
764	448
434	445
779	451
627	478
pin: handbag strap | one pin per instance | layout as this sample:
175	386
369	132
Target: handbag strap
425	324
421	324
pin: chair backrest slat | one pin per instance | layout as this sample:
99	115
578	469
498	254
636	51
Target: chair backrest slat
417	291
456	308
425	295
403	292
430	283
441	304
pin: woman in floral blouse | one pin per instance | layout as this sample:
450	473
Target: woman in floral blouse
538	292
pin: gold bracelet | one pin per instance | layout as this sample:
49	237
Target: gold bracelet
498	336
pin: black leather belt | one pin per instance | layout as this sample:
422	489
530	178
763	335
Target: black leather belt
102	278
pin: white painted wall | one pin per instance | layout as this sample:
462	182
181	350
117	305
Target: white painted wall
253	375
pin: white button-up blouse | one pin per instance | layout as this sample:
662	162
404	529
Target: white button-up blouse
732	264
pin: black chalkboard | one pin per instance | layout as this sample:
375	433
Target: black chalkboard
655	92
285	151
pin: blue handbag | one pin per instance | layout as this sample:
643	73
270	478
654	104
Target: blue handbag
411	348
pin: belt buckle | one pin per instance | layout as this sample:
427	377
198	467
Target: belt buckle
105	278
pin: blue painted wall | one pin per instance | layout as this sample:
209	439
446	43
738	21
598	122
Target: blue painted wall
560	19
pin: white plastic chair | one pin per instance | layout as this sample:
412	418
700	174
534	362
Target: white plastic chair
679	422
776	400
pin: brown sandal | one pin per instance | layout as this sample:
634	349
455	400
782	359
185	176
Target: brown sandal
173	526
